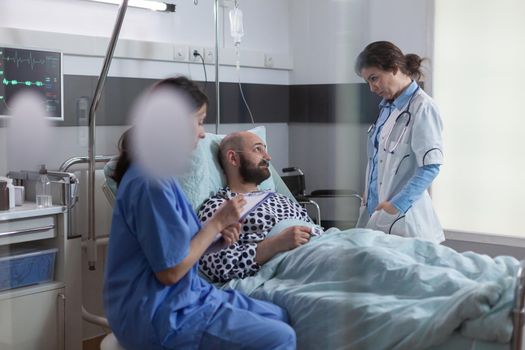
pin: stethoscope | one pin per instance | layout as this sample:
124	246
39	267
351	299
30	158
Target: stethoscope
405	114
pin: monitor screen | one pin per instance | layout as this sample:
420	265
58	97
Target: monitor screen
35	70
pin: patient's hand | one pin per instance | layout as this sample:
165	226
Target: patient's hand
230	234
288	239
293	237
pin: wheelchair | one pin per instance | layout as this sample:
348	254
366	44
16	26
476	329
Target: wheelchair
294	178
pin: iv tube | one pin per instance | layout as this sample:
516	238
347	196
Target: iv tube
237	32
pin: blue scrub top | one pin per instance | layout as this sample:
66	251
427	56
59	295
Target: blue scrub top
152	227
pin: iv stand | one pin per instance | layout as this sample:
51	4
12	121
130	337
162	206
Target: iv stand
217	86
91	244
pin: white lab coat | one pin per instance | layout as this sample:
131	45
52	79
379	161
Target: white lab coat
421	145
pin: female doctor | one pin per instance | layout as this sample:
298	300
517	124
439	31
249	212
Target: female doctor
153	295
404	146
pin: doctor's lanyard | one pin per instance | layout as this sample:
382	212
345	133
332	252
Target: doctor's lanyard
399	119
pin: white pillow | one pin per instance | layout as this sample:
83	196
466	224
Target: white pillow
206	176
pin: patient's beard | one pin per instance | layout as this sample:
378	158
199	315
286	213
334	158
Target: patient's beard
251	173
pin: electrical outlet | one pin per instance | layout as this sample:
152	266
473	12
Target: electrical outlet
209	55
227	3
180	53
194	58
268	61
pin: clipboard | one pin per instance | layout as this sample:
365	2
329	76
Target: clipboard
253	201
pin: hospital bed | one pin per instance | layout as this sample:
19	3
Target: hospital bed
208	168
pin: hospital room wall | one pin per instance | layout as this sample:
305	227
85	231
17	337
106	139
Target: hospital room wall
326	37
189	26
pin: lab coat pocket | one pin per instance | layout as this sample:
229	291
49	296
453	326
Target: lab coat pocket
388	223
398	151
395	160
399	226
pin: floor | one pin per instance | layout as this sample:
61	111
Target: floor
92	344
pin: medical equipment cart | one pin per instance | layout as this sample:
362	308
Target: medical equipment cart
40	283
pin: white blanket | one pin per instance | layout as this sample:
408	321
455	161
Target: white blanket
362	289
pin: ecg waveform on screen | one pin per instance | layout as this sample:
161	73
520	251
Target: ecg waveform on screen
31	70
26	83
30	60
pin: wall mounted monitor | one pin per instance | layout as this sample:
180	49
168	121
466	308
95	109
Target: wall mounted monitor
34	70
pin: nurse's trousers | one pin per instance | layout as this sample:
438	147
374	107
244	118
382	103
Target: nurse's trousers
246	323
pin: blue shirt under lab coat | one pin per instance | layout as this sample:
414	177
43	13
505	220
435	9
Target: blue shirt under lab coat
151	231
424	175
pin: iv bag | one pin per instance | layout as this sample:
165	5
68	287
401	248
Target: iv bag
236	27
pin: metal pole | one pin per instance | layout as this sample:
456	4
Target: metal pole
518	313
217	89
82	160
92	247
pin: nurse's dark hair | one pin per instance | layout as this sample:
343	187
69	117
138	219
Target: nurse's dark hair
387	56
180	84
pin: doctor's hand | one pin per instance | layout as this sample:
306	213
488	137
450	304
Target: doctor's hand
230	234
388	207
229	212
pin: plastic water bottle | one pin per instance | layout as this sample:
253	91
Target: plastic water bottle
10	190
4	195
43	189
11	193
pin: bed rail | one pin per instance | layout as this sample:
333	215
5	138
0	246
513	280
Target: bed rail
518	313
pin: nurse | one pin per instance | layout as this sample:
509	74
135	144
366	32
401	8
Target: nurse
153	295
404	146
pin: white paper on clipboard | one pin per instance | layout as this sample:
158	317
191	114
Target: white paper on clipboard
253	200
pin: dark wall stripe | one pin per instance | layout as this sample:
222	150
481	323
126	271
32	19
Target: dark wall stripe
268	103
327	103
117	98
333	103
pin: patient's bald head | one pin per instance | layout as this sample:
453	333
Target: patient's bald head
232	142
243	158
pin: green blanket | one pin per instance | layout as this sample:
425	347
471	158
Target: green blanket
362	289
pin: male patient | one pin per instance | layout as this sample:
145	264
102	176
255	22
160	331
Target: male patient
245	162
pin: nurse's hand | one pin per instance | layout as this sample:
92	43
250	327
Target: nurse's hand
230	234
388	207
229	212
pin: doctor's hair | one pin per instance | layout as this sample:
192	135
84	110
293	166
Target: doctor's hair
179	84
388	57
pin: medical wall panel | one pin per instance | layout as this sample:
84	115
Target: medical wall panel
269	102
